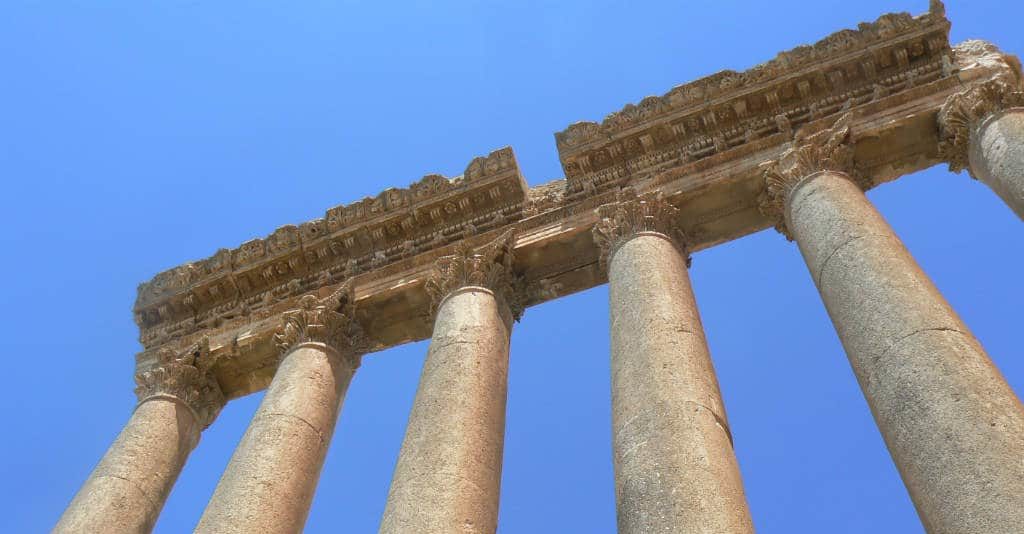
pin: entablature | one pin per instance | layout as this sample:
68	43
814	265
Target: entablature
387	246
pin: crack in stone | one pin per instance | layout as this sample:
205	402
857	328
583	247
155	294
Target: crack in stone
135	485
824	264
718	420
319	434
901	339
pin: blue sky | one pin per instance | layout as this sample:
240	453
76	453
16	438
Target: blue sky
140	135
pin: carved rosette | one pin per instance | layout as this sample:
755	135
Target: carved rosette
632	214
828	150
331	321
964	112
489	266
186	376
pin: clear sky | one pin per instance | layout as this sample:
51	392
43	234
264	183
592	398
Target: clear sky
137	135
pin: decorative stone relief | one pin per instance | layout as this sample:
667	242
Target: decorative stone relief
828	150
186	376
732	110
331	321
964	112
632	214
489	266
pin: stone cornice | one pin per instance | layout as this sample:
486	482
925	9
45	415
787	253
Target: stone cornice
963	112
827	150
186	376
331	321
728	110
632	214
489	266
241	285
716	192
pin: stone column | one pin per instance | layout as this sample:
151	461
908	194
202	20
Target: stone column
448	475
269	483
125	493
675	469
951	422
982	130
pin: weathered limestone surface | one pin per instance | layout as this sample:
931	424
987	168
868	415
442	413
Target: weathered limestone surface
952	424
981	128
675	469
700	145
448	475
997	156
127	490
269	484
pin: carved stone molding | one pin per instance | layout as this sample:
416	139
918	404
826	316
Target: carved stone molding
702	145
331	321
732	111
632	214
827	150
186	376
488	266
965	111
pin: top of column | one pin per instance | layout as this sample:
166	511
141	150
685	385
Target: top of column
330	320
186	376
488	266
963	112
831	150
631	215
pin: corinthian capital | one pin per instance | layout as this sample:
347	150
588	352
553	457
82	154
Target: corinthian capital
964	112
828	150
630	215
331	321
186	376
489	266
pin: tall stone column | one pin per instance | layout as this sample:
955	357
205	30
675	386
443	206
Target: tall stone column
982	130
448	475
675	469
951	422
269	483
125	493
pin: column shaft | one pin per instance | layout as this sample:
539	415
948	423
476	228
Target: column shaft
127	490
952	424
448	475
675	469
269	483
997	156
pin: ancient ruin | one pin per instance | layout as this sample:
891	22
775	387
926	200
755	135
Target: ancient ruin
792	144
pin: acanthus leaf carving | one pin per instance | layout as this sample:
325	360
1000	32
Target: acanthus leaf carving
187	376
489	266
632	214
828	150
331	321
964	112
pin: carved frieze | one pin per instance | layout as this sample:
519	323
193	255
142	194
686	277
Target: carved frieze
827	150
366	235
632	214
700	147
722	112
489	266
186	376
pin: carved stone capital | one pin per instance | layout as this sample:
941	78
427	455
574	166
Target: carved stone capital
827	150
489	266
331	321
187	377
633	214
964	112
